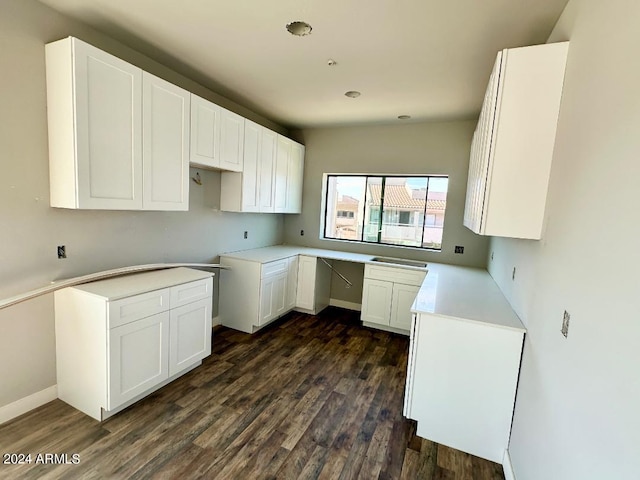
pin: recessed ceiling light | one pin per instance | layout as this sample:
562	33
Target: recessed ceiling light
352	94
331	62
299	29
404	117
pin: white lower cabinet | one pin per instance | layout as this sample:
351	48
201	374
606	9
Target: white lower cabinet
387	296
273	291
190	339
376	301
461	383
118	340
314	285
138	358
402	298
253	294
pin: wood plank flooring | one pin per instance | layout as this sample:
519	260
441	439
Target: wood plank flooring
308	397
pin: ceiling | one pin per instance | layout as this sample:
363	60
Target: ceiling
430	59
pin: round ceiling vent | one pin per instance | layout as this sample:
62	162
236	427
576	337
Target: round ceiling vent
299	29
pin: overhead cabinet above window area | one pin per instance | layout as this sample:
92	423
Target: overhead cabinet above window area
513	143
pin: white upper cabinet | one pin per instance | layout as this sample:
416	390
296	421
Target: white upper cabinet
205	133
165	121
251	169
242	192
271	180
217	136
267	169
280	183
288	176
294	179
104	153
513	143
231	141
94	108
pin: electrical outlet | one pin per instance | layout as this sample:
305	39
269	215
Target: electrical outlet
302	233
458	249
565	324
62	251
513	274
246	234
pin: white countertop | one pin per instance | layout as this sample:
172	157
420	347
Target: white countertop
128	285
463	293
466	294
278	252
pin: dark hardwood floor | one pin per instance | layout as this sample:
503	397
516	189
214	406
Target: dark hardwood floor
308	397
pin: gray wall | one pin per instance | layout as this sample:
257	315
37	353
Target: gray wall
577	415
419	148
95	240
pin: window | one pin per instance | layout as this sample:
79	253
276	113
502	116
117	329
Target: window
390	210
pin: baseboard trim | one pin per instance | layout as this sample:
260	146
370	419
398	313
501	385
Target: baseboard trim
17	408
334	302
507	467
215	321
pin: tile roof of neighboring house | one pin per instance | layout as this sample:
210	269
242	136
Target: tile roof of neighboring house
348	199
399	196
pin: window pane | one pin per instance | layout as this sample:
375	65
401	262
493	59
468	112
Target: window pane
404	199
406	211
436	205
372	209
345	203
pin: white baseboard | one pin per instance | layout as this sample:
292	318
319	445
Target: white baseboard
506	467
334	302
17	408
216	321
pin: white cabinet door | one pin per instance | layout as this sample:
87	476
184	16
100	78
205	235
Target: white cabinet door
292	282
401	301
294	179
165	145
138	358
280	294
205	133
272	297
231	141
305	296
267	170
376	301
190	327
94	107
283	153
251	169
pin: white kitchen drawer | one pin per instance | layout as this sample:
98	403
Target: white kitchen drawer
136	307
405	276
274	268
191	292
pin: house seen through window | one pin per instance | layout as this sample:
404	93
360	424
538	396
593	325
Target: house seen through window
391	210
